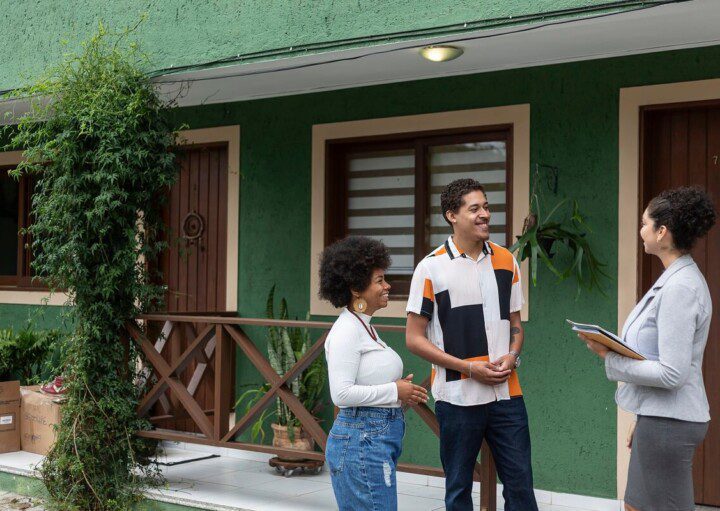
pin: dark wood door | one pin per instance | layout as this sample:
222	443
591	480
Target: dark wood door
681	146
194	266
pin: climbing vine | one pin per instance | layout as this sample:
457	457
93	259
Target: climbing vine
97	144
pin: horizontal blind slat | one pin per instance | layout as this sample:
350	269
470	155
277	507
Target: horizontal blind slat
483	161
381	202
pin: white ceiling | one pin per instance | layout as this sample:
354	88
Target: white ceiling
670	26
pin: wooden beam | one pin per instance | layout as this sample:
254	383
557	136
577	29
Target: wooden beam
196	413
148	372
178	366
226	325
279	383
278	386
202	367
224	320
223	392
488	479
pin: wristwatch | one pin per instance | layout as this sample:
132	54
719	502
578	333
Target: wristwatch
517	357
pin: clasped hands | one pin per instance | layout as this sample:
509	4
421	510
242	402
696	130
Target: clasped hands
491	373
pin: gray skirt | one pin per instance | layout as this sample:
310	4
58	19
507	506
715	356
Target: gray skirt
660	473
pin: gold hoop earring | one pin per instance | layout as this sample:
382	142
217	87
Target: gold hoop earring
359	305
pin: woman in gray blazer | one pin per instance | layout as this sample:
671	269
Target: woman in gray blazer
669	326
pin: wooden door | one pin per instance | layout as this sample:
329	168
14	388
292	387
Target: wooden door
681	146
194	265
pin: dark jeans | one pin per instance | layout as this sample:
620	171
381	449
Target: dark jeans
504	425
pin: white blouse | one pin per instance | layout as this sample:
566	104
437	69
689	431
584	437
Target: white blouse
361	371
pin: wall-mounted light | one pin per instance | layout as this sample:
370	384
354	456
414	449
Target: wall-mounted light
441	53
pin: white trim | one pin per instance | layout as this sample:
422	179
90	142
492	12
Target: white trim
516	115
631	100
230	135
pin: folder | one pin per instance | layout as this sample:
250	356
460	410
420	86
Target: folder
607	339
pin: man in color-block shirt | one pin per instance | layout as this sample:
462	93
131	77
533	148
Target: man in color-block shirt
464	317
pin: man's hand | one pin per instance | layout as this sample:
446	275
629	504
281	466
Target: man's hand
488	373
505	362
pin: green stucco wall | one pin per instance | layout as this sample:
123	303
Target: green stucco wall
574	126
41	317
188	32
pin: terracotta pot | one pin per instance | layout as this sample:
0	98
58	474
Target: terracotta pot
302	440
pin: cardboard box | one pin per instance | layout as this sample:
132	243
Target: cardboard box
9	416
39	413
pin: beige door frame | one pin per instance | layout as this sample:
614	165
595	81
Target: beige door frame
632	99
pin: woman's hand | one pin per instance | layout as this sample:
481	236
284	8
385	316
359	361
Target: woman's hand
409	393
631	434
599	349
488	373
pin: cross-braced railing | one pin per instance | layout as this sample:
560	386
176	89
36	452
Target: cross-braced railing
194	349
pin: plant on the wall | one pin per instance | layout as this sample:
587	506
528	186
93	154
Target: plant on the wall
285	347
98	142
563	229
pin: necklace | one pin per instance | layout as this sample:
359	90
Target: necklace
371	331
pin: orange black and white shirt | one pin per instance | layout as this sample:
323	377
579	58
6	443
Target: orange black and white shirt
468	304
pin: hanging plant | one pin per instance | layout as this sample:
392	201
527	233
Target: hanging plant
542	236
98	143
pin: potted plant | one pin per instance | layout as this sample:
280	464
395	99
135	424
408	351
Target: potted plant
285	347
542	237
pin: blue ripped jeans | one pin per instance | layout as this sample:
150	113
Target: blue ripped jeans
362	451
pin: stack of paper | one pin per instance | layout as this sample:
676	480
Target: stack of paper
608	339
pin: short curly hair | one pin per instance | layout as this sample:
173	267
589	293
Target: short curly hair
451	197
687	212
347	265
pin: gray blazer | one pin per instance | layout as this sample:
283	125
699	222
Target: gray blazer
670	327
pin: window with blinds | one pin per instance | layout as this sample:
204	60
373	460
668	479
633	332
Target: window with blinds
381	202
389	189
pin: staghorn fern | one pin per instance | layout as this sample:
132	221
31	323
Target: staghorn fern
539	234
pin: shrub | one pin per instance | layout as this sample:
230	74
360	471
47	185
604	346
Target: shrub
99	144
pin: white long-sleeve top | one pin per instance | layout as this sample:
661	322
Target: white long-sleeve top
361	371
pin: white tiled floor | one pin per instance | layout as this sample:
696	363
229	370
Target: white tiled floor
231	484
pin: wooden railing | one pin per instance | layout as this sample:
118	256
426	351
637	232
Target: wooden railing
197	349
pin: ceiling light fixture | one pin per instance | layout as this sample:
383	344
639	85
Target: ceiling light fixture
441	53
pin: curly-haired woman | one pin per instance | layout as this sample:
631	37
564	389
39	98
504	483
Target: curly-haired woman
670	327
365	376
